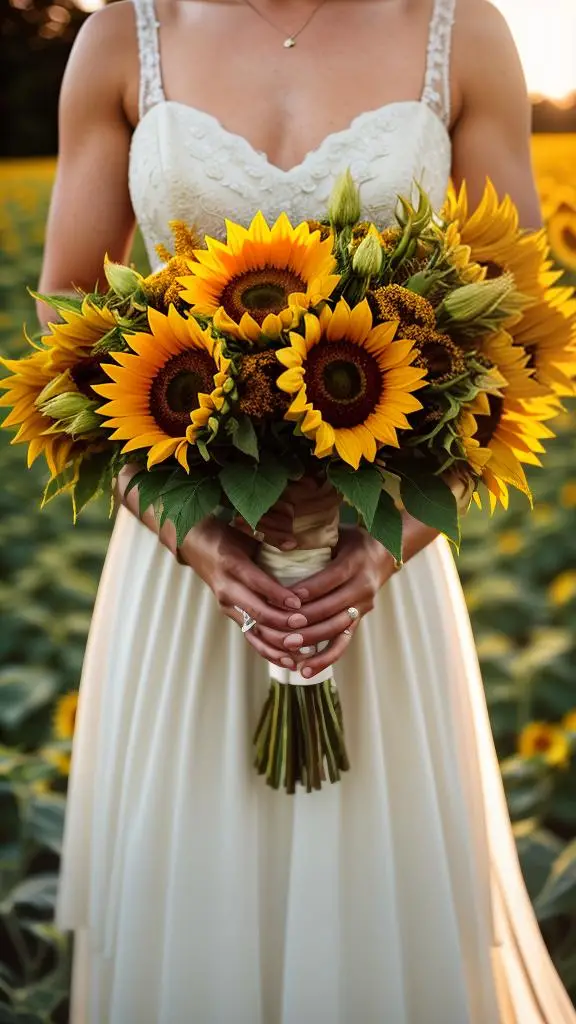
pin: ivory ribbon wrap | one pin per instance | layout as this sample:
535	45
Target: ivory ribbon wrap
317	535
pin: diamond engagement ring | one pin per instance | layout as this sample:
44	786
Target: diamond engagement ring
248	621
353	613
347	633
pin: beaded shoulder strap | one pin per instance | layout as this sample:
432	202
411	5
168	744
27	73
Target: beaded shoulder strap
436	92
147	25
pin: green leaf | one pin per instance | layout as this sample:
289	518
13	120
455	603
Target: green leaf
58	302
253	488
537	850
559	893
150	484
44	820
58	485
360	487
429	499
244	437
36	896
387	525
91	478
23	690
204	497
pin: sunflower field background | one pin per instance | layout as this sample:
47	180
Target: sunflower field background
519	574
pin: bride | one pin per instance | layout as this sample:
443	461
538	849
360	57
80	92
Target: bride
196	894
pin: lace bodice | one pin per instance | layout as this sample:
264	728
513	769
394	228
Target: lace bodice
185	164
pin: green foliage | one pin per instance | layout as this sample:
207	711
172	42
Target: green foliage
519	575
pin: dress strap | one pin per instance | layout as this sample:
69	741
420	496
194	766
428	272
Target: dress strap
147	25
436	94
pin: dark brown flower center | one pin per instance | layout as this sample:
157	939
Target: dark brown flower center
260	292
569	238
175	389
542	743
343	381
493	270
88	372
393	302
488	425
258	394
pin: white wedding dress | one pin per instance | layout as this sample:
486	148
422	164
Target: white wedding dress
197	894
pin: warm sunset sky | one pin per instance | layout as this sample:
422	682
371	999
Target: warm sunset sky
545	33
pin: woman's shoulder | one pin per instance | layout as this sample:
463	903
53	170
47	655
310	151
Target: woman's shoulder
104	57
484	51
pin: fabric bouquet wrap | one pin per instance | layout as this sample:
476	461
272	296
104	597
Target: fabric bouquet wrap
397	365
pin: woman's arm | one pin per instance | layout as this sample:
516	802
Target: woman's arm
491	138
90	215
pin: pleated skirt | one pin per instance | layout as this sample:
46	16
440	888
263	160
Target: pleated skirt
197	895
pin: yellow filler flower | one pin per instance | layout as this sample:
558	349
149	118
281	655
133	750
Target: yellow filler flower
351	382
253	278
550	742
65	715
165	388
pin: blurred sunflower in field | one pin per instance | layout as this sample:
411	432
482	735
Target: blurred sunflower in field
65	715
259	272
545	741
165	388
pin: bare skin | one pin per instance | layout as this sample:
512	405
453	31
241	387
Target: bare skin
284	103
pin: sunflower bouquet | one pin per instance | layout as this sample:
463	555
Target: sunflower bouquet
408	367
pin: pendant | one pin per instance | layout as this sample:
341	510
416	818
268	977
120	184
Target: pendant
288	43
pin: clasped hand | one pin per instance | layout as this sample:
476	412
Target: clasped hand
290	619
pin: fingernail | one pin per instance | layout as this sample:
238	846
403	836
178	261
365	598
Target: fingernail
297	621
287	662
304	594
307	672
293	602
288	545
294	640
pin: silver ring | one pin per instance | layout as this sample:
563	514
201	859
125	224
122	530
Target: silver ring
347	633
248	621
311	649
353	613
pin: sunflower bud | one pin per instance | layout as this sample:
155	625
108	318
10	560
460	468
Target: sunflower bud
57	386
344	206
65	406
86	422
478	300
124	281
367	260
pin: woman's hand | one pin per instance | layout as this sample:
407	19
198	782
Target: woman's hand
360	567
223	558
303	497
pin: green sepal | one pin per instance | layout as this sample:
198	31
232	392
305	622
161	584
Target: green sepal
59	485
253	487
428	499
360	487
58	302
387	525
244	438
93	475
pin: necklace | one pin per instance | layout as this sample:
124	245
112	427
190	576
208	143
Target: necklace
290	40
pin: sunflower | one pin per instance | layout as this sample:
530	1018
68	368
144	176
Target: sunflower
351	382
549	742
547	332
459	257
75	336
562	237
165	388
65	715
30	378
493	236
259	272
512	436
440	356
257	382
